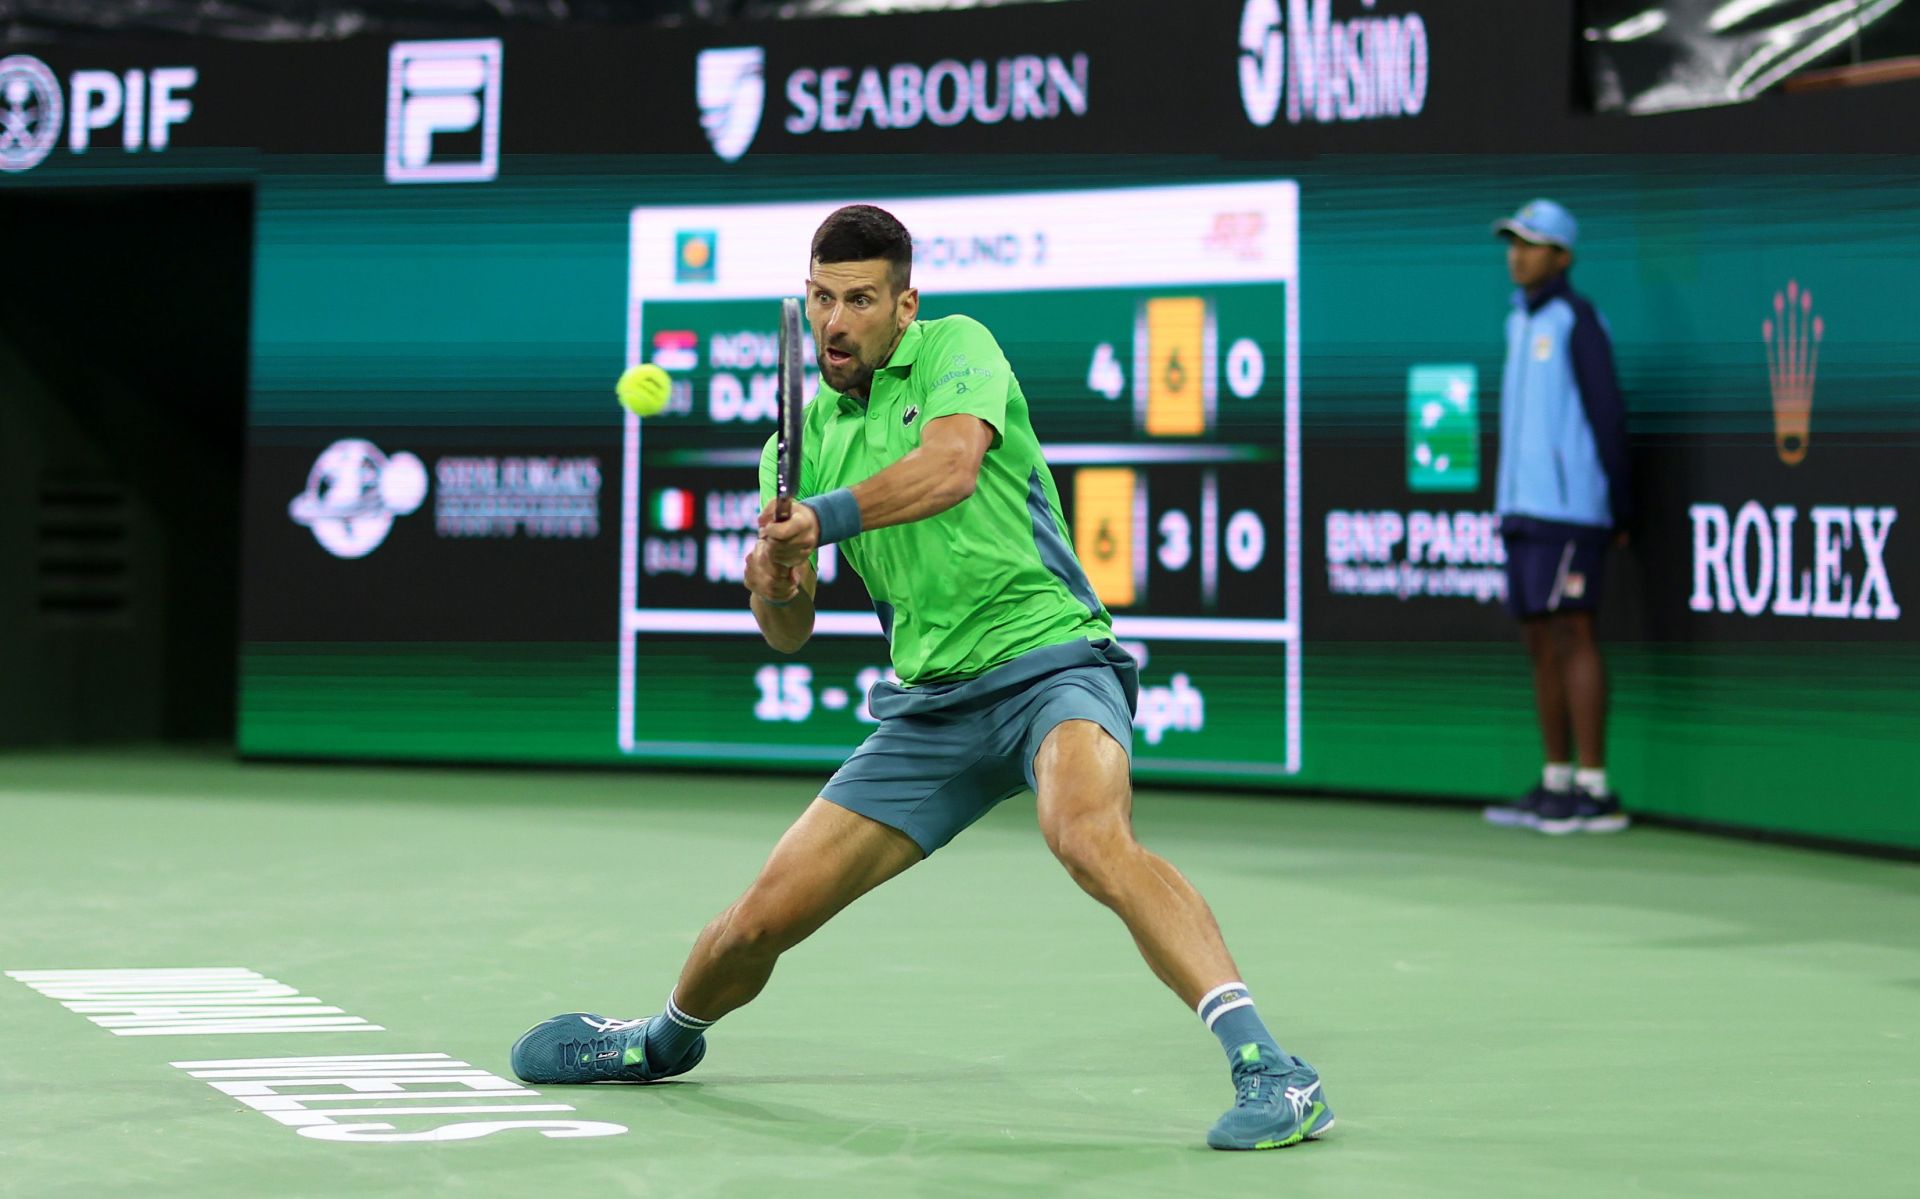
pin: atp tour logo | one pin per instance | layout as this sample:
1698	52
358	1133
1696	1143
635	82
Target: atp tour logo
443	111
731	87
1329	71
353	494
30	112
1793	336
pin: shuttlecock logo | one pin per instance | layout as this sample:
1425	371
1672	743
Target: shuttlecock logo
730	84
1793	336
30	112
353	494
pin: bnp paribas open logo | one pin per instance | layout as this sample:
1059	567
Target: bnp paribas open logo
354	493
30	112
730	84
1443	428
1793	336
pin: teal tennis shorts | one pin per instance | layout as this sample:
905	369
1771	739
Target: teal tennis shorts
946	753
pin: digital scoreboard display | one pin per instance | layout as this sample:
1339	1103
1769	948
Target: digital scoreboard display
1155	333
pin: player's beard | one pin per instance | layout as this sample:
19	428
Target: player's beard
855	377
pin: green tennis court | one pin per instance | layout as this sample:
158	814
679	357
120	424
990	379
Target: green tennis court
1495	1012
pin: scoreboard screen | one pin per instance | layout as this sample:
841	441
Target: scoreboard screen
1155	333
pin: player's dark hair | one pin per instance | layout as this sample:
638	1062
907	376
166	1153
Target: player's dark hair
861	232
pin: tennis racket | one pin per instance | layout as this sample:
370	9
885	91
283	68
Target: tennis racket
786	454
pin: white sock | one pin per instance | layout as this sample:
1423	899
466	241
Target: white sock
1557	776
1591	780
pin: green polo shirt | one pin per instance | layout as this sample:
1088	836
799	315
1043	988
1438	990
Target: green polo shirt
987	580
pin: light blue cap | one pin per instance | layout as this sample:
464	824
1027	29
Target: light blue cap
1543	223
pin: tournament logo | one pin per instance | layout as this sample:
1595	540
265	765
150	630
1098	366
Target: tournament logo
696	255
353	494
31	112
730	85
1443	428
1793	336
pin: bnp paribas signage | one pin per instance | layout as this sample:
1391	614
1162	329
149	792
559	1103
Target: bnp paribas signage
1328	63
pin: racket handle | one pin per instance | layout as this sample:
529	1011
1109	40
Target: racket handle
782	508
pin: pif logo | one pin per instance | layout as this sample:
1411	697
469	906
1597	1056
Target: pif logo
443	111
145	104
30	112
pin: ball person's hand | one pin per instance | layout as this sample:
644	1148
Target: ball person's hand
793	540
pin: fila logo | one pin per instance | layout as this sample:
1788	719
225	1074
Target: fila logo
443	111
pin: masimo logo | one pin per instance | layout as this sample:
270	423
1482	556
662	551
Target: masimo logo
1362	68
1760	560
731	89
144	104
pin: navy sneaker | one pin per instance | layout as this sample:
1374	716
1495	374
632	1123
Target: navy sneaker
1522	812
1277	1102
1579	812
584	1047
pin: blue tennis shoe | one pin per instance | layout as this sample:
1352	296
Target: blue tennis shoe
1277	1102
584	1047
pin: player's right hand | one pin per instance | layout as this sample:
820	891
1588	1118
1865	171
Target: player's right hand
767	579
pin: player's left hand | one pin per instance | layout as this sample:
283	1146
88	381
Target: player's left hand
793	540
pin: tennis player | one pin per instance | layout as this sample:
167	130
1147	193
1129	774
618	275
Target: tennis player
921	464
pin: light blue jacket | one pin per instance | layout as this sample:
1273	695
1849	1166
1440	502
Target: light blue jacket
1563	427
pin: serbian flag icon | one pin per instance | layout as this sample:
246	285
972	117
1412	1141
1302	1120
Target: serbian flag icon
676	350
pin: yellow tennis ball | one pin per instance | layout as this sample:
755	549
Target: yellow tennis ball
643	389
